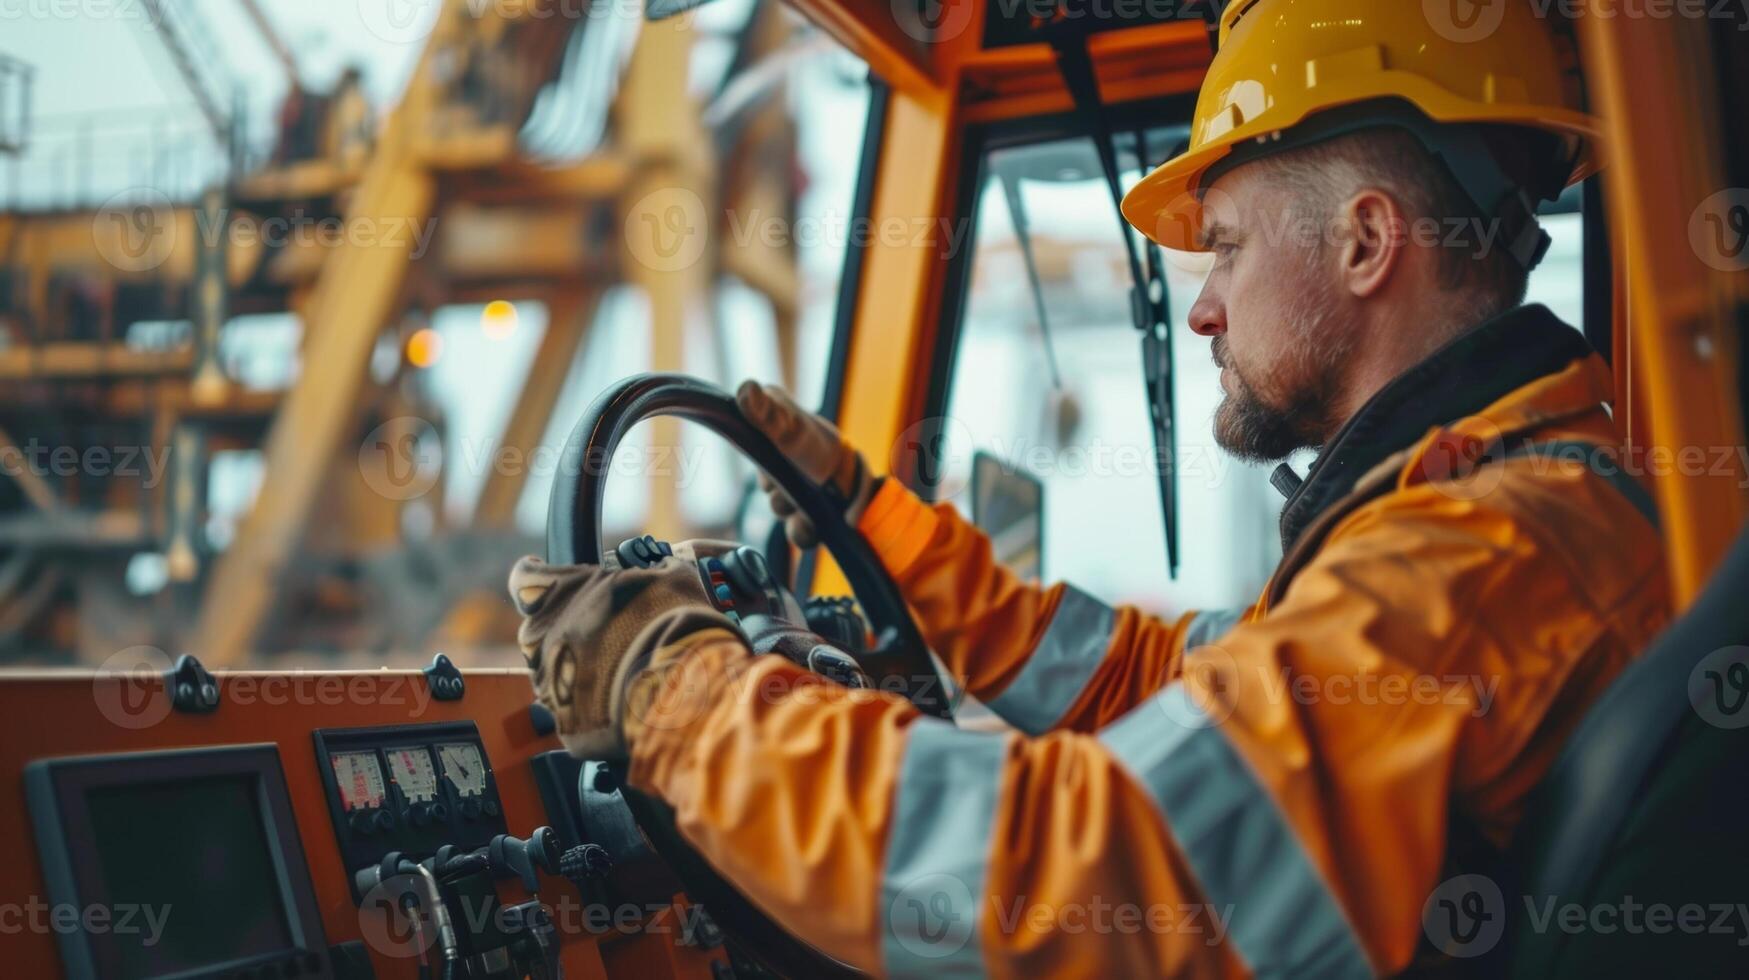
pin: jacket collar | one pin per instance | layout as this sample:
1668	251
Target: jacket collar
1465	376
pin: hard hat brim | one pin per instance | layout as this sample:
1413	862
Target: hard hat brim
1167	205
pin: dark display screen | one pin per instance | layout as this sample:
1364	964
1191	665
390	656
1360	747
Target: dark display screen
192	858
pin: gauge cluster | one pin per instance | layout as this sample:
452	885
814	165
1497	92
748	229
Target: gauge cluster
408	788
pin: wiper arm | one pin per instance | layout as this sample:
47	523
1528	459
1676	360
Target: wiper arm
1023	234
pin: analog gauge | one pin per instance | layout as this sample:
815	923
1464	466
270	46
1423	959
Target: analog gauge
464	768
411	768
360	779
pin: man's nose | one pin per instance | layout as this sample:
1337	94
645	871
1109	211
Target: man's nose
1208	315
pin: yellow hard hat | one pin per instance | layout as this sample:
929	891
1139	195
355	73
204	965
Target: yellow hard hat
1283	62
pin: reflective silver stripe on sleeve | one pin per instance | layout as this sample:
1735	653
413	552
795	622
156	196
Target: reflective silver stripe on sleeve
1210	625
938	854
1283	921
1072	647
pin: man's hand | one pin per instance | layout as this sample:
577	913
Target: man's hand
816	448
594	634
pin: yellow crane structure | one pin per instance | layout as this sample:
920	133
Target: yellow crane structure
441	204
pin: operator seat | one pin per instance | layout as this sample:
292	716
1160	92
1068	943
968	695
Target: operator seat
1648	805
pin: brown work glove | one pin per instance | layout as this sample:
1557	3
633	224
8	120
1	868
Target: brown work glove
591	632
816	448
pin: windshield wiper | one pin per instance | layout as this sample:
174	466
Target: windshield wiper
1023	234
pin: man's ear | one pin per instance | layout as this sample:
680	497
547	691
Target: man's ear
1377	242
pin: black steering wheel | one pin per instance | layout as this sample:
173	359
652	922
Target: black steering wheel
899	661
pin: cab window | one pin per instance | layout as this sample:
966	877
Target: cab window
1045	377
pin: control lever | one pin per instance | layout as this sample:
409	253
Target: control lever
537	940
370	877
451	862
508	856
393	865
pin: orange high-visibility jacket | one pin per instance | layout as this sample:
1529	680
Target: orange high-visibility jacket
1270	791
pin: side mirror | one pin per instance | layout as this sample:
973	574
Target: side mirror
1009	506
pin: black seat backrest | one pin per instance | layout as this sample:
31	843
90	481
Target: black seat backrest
1633	859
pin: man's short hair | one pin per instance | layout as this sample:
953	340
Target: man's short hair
1392	160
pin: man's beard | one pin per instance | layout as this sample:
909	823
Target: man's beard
1262	430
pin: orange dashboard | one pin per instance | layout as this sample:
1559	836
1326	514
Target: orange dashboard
62	715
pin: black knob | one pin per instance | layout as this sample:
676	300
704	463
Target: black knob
543	849
541	717
747	571
439	813
470	809
837	620
419	814
642	552
384	822
604	781
585	862
362	823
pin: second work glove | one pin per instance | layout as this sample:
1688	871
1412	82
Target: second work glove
599	637
816	448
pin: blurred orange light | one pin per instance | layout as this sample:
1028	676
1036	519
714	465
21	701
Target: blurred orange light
498	319
424	348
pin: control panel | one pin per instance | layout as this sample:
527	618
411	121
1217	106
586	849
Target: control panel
408	788
422	833
373	835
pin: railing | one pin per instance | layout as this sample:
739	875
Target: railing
15	79
86	160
